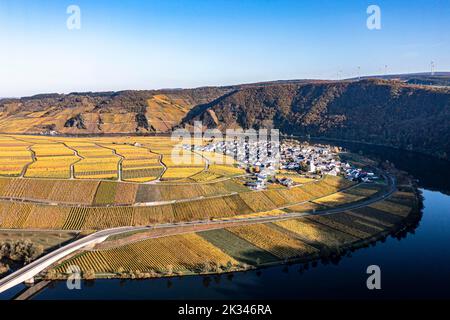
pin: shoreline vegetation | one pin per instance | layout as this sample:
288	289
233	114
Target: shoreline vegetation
194	220
407	195
335	109
363	142
302	137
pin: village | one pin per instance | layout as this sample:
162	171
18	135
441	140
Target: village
270	163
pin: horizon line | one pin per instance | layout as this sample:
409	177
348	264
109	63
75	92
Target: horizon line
362	77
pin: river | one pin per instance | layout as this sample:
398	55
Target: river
416	265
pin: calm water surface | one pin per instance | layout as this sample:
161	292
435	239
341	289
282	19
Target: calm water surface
414	266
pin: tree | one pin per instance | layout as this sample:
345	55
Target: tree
204	267
20	251
214	267
169	269
51	274
303	167
89	274
3	268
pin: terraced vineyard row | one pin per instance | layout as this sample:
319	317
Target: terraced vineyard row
273	241
315	232
367	221
53	160
180	253
94	158
66	191
180	163
97	162
205	176
90	260
337	199
14	156
142	174
237	247
85	192
78	218
139	164
253	244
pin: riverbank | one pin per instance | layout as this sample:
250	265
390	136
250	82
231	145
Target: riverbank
424	152
413	263
322	238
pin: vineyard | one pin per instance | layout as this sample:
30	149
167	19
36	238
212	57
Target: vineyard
315	232
205	176
165	192
14	156
271	213
181	253
101	158
338	198
97	162
215	200
87	184
254	244
106	193
59	183
273	241
304	207
327	185
139	160
237	247
392	207
218	249
51	161
297	178
226	171
68	191
64	191
365	190
354	225
139	164
180	163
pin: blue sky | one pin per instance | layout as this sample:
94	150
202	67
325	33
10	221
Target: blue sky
188	43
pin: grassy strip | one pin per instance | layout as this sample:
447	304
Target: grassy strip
237	248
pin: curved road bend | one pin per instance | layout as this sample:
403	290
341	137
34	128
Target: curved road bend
30	270
35	267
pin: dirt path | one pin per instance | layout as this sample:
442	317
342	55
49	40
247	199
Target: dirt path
195	226
119	164
72	165
33	160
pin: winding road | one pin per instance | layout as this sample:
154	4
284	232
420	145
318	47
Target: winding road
32	269
37	266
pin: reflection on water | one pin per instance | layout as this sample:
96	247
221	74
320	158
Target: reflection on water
432	173
414	264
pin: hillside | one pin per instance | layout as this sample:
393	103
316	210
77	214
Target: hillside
422	78
375	111
104	112
378	111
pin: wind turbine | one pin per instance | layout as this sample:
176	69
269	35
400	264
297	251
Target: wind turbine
432	68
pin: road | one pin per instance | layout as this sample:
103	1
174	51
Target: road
37	266
391	188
